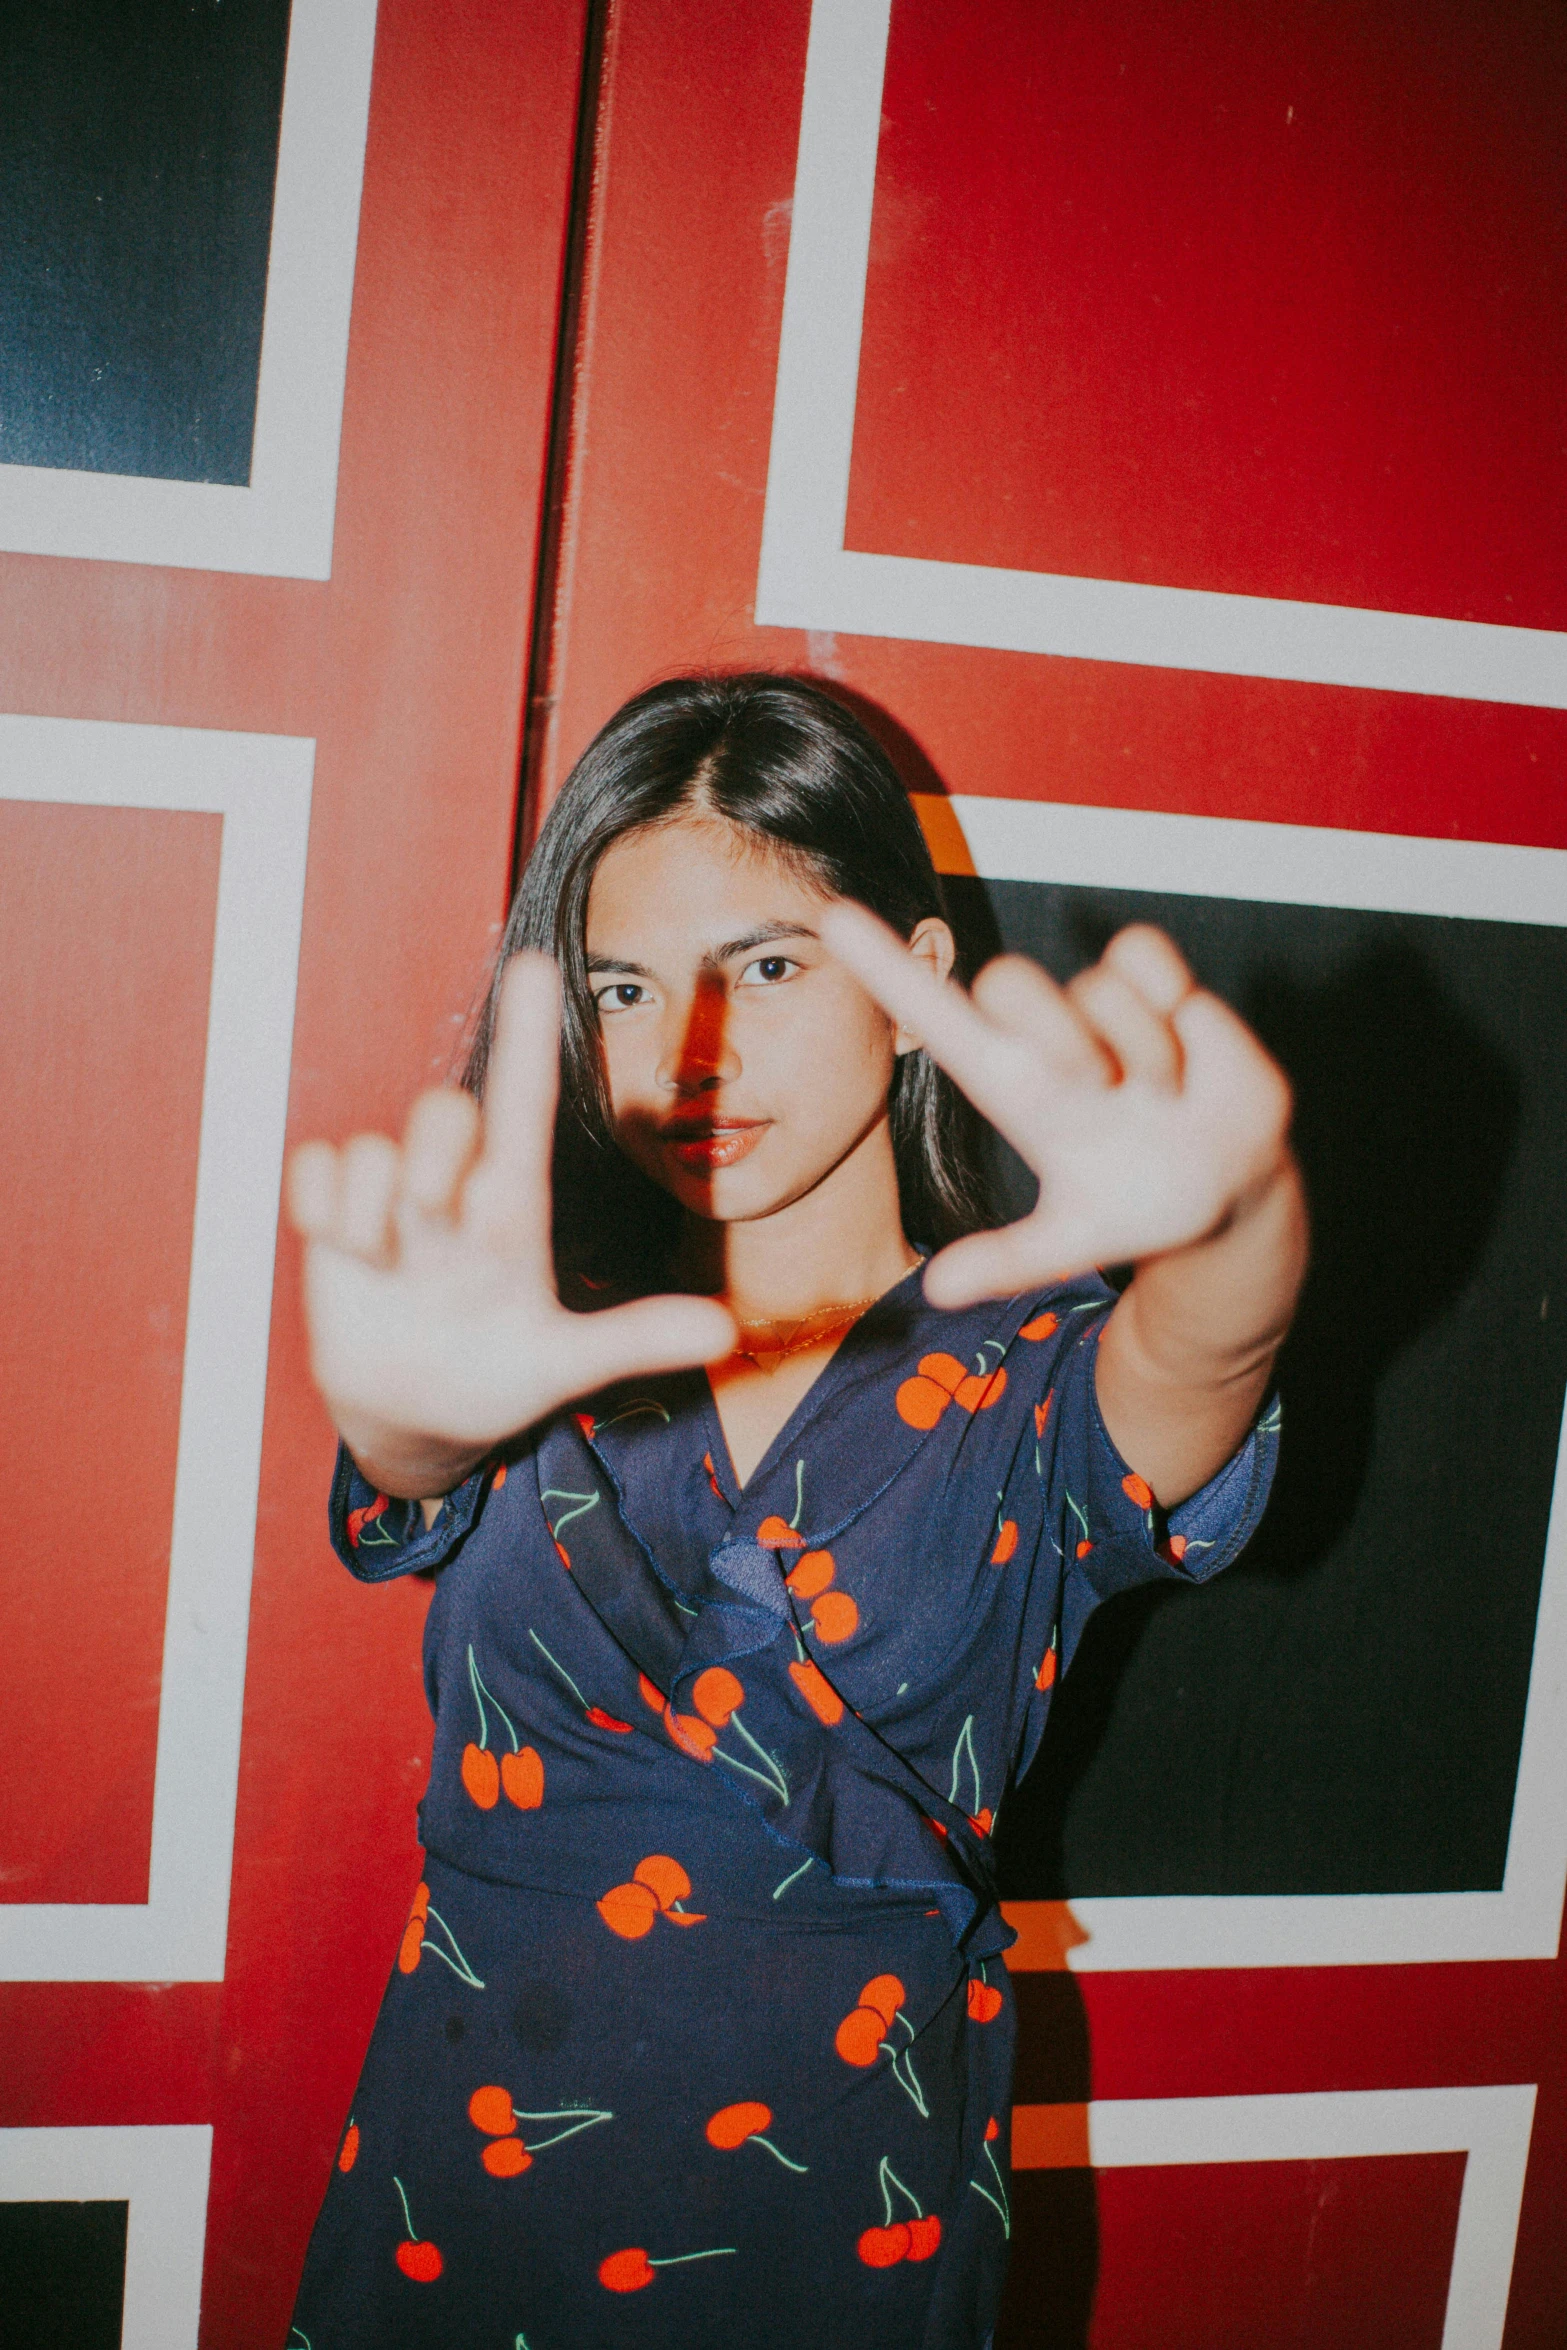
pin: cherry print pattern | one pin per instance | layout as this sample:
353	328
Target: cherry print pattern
1006	1541
349	2153
833	1613
416	2256
657	1887
994	2190
899	2239
817	1691
942	1380
811	1574
581	1502
507	2154
359	1519
715	1694
417	1942
736	1689
629	2271
984	2000
742	2125
870	2030
590	1713
718	1696
520	1773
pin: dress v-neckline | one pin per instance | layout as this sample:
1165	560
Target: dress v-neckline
737	1490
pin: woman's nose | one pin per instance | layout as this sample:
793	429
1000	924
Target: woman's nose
700	1055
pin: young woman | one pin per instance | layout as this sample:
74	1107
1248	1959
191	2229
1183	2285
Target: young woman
700	2031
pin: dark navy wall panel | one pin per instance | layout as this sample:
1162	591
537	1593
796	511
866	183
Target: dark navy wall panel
138	149
1342	1712
62	2275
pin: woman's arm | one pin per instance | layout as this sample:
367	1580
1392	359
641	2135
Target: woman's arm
1187	1355
1158	1127
435	1329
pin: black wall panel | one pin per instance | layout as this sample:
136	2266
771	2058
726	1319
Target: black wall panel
62	2275
138	150
1341	1713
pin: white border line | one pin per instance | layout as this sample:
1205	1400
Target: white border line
282	523
807	579
260	785
161	2171
1302	865
1490	2125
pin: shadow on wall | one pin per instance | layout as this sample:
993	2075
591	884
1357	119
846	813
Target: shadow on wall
1408	1119
1406	1124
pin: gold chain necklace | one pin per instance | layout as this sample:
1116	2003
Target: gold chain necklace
785	1337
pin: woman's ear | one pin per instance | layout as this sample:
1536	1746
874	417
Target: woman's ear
931	943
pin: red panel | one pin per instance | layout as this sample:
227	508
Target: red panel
408	670
1269	301
106	923
1228	2256
696	162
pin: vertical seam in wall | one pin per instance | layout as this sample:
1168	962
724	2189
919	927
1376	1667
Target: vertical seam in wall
550	580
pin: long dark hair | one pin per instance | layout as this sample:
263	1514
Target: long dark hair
779	758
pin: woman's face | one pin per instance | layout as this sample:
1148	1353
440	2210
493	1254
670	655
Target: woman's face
744	1065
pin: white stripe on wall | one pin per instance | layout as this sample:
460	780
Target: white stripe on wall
807	579
1491	2125
260	785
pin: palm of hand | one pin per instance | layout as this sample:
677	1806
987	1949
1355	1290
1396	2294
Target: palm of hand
429	1285
1146	1108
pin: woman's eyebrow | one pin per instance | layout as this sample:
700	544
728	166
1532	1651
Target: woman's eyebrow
760	937
757	938
614	963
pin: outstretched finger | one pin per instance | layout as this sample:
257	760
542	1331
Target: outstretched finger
1017	995
439	1143
310	1191
940	1014
653	1334
1143	1043
370	1168
1149	960
507	1196
1019	1257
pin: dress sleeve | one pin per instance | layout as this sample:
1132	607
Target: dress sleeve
1110	1531
377	1537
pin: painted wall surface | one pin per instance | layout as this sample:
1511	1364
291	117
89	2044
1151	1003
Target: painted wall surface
1148	419
171	713
1152	419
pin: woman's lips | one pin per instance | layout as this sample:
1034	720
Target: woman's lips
710	1147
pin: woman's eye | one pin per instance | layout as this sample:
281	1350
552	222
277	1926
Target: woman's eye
768	970
624	996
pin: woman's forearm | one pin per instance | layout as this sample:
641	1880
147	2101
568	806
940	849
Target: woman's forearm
1187	1354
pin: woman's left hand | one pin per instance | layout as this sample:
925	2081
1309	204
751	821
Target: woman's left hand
1148	1110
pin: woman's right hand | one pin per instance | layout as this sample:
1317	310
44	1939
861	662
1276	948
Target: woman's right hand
435	1327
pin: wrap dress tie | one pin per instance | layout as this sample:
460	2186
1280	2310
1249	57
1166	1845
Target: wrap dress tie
699	2032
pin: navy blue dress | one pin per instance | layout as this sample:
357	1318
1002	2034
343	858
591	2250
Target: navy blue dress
700	2031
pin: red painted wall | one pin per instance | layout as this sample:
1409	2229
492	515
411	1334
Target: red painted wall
1383	296
1333	418
408	669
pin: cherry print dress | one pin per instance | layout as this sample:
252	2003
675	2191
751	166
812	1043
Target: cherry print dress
700	2032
